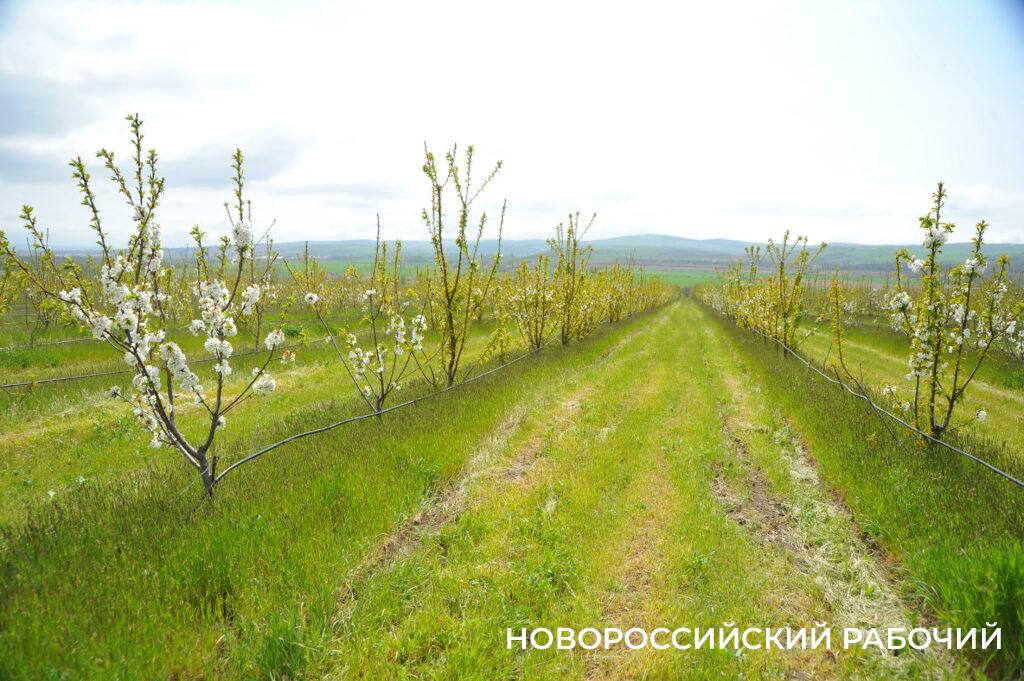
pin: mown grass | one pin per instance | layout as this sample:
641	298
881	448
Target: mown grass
850	584
125	581
956	527
612	524
588	479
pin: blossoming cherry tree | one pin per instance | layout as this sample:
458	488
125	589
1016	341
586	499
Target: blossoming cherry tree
127	307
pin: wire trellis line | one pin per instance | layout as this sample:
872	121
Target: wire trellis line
63	341
46	344
117	372
934	440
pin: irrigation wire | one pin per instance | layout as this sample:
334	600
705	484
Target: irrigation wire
353	419
372	414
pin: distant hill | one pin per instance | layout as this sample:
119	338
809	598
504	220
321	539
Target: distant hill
661	250
654	250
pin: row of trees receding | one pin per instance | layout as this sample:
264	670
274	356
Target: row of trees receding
954	317
387	326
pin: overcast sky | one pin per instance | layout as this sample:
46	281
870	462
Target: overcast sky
702	120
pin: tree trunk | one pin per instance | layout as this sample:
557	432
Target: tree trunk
206	474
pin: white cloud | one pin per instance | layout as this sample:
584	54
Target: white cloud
734	119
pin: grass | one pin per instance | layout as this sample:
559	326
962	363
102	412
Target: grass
20	363
614	523
24	406
277	537
56	434
956	528
667	471
683	277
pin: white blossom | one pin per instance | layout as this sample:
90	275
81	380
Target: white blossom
178	366
241	233
219	347
72	296
935	236
974	266
274	339
264	385
250	296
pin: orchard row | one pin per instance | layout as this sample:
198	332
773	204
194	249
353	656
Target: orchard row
405	326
